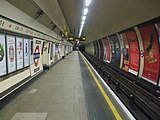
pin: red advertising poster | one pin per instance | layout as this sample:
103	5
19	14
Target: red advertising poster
151	53
126	58
108	55
134	52
158	31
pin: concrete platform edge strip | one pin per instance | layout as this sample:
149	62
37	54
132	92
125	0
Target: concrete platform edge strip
114	95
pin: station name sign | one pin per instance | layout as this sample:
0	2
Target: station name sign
72	38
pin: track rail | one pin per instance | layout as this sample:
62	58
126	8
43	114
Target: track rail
143	103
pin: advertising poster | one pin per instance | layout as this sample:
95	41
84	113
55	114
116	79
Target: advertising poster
11	54
101	49
104	47
26	52
115	50
3	69
51	53
158	32
53	49
97	46
59	48
126	55
151	53
134	52
108	52
56	49
95	49
31	51
19	49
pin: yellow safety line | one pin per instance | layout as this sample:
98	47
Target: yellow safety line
115	112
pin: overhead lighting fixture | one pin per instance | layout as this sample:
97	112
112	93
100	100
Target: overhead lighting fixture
87	3
80	32
83	18
82	26
85	11
82	23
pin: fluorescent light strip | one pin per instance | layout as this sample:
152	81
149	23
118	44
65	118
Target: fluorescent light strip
82	23
88	2
82	26
83	18
85	11
80	32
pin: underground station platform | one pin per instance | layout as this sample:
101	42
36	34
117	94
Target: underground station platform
70	90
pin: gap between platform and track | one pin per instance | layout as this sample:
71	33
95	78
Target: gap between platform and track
115	112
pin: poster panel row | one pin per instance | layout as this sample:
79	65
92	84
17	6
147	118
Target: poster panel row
141	51
14	53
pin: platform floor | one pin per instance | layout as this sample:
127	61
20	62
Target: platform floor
66	92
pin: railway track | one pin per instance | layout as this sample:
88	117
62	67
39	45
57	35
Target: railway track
142	101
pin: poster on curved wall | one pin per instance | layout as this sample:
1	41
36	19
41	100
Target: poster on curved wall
151	53
60	49
99	52
108	51
158	32
125	51
95	49
56	49
104	48
101	49
19	49
26	52
115	50
11	53
31	51
134	52
53	50
3	69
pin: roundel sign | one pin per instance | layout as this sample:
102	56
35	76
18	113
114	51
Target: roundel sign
36	55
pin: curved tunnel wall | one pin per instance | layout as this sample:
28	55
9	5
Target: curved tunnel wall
135	50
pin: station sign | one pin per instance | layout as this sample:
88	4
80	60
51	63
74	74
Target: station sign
83	39
72	38
36	55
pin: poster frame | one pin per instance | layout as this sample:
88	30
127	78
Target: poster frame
17	55
5	51
24	53
8	72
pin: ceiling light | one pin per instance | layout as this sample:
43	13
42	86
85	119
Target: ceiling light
87	3
80	32
82	26
85	11
83	18
82	23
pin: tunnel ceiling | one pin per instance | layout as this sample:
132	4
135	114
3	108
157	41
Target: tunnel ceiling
105	17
